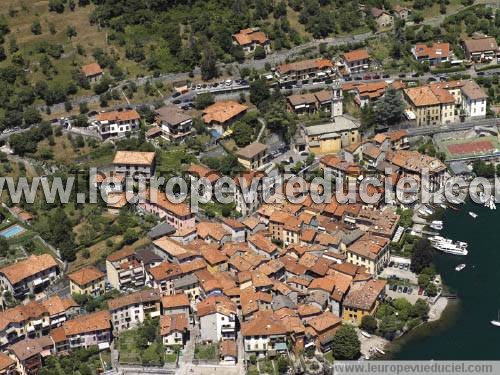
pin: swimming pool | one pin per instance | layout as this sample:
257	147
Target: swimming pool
12	231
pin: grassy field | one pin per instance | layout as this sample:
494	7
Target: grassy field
206	351
130	353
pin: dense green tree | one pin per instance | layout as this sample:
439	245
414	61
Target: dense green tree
346	345
31	116
202	101
390	108
36	27
369	323
421	256
4	247
259	92
420	309
259	53
208	64
242	133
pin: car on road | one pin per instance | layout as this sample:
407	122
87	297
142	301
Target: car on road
414	75
304	153
358	78
431	79
405	289
480	73
376	76
386	76
198	87
402	75
177	101
400	289
229	82
367	76
401	266
410	290
391	264
347	79
176	94
243	82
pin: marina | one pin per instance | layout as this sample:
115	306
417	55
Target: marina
468	319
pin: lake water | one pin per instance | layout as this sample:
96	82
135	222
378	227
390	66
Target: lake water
465	331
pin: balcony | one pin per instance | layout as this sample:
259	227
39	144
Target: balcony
227	328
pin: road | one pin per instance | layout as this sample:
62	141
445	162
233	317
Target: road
413	131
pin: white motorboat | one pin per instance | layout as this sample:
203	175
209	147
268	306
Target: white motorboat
460	267
496	322
473	214
436	224
366	334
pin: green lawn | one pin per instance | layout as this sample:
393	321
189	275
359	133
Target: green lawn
329	356
130	353
206	351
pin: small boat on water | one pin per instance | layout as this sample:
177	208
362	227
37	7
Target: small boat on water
380	351
494	322
460	267
473	214
366	334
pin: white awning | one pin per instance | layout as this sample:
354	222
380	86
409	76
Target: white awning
103	345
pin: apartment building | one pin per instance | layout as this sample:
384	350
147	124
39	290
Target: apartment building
217	317
132	309
174	331
362	299
89	330
176	125
434	54
265	334
304	70
28	356
178	215
430	105
249	191
29	276
354	62
88	280
124	270
162	277
371	252
319	101
474	100
252	156
135	164
117	124
481	49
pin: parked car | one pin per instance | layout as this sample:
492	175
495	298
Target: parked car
229	82
405	289
367	76
347	79
401	266
177	101
391	264
402	75
400	289
358	78
386	76
376	76
176	94
431	79
410	290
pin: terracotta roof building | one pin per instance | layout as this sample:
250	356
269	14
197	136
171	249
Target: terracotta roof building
88	280
31	275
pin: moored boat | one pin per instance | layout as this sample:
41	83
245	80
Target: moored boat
460	267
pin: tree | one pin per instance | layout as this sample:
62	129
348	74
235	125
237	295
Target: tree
259	53
346	345
420	309
56	6
390	108
424	280
31	116
369	323
421	256
71	31
431	289
202	101
4	247
208	64
283	364
36	27
259	92
242	133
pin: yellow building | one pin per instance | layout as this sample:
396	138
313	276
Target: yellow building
371	252
430	104
332	137
252	156
362	299
88	280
